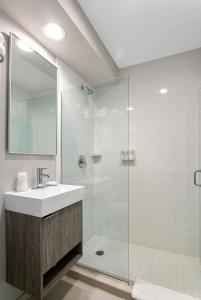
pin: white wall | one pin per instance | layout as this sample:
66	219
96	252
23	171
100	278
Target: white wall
164	212
11	164
67	79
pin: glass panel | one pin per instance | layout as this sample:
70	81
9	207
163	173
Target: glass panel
95	154
33	102
165	230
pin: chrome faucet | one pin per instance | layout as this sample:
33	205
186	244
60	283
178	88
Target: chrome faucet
40	176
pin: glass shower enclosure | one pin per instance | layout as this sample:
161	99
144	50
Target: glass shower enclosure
95	154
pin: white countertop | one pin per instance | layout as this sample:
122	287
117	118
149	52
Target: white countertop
41	202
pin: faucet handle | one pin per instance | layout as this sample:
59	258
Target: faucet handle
41	169
40	176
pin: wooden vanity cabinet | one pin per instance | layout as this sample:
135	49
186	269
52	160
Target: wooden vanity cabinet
41	250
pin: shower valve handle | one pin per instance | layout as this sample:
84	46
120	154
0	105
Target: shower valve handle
82	162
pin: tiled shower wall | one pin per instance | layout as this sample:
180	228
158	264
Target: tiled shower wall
164	203
98	123
77	139
164	212
111	173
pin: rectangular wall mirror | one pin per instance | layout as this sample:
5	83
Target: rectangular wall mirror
32	101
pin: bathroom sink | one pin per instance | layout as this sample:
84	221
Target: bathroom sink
42	202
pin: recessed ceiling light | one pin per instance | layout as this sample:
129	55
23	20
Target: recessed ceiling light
130	108
23	46
163	91
54	31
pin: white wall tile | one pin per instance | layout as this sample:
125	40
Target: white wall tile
110	138
164	212
77	139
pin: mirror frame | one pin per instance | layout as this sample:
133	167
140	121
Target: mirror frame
10	44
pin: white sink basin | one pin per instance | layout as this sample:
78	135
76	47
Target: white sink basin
42	202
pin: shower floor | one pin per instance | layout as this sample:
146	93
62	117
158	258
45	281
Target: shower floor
178	272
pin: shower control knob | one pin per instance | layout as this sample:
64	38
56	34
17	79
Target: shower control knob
82	162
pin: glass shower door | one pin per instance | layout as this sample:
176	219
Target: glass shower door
77	142
95	154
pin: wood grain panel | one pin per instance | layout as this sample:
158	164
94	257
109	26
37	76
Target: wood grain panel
41	248
23	249
61	232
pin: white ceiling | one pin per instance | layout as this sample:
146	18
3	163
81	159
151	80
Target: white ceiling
135	31
74	50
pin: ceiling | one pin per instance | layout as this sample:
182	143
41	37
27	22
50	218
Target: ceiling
136	31
74	50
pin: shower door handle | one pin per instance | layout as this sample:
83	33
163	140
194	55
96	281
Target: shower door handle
195	177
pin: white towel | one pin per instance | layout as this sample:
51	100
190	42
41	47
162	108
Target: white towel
143	290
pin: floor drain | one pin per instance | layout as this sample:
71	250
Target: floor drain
99	252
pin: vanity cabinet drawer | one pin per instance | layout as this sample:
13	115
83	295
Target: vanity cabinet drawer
61	232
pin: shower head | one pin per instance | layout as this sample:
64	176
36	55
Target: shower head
87	90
